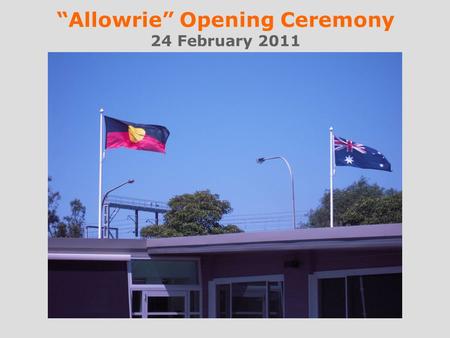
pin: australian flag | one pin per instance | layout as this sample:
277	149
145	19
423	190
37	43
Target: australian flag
351	154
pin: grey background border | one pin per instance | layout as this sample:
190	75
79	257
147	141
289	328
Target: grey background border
31	29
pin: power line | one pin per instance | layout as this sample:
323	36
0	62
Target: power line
264	213
259	217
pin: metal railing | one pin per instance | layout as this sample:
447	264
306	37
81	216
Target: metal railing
137	202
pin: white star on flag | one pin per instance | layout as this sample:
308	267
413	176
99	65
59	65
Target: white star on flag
348	160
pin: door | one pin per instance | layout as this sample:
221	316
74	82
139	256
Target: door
165	304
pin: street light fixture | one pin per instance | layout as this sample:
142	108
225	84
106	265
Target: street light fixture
130	181
261	160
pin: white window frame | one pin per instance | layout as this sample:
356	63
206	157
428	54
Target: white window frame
165	293
160	289
242	279
313	282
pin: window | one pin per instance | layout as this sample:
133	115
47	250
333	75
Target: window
194	303
247	297
366	293
248	300
171	305
136	304
275	299
165	288
156	271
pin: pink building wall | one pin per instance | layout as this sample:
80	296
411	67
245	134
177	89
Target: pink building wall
295	278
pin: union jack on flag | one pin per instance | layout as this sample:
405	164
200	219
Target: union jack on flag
352	154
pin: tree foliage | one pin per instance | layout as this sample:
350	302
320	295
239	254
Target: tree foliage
193	214
359	203
381	210
75	221
70	226
53	202
61	230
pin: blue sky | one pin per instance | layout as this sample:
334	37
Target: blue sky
223	110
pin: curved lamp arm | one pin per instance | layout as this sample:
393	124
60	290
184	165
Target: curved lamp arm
115	188
261	160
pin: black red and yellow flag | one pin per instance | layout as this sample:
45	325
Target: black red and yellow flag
135	136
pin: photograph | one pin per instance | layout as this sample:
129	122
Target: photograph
224	185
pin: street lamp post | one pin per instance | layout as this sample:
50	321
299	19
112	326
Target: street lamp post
106	195
261	160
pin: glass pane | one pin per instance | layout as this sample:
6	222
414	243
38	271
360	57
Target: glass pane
275	299
223	301
164	272
248	300
136	301
354	300
195	301
165	304
195	316
379	296
332	298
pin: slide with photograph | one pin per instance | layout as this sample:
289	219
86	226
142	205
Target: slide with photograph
234	166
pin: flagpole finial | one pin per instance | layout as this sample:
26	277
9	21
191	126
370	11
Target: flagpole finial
331	128
101	110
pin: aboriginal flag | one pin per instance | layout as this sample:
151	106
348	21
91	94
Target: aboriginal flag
135	136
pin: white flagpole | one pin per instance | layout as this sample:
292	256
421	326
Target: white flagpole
331	174
100	172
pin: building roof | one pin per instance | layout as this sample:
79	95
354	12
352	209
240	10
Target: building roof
363	236
381	235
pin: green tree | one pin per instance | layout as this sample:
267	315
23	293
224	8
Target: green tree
369	210
61	230
160	230
359	203
53	202
193	214
72	225
75	221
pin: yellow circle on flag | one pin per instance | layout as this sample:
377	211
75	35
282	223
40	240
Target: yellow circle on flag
136	134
